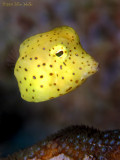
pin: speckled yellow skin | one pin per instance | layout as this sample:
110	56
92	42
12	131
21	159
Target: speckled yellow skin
52	64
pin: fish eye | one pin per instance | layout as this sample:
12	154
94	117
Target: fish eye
59	53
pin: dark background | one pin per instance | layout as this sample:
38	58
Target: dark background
96	103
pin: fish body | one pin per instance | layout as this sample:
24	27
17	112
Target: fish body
74	143
52	64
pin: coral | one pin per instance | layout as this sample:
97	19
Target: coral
73	143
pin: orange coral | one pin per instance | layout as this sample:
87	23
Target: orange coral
73	143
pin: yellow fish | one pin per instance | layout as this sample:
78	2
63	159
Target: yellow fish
52	64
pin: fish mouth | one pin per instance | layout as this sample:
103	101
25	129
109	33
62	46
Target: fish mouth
93	69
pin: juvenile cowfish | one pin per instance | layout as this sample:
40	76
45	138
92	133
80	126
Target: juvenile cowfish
52	64
74	143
